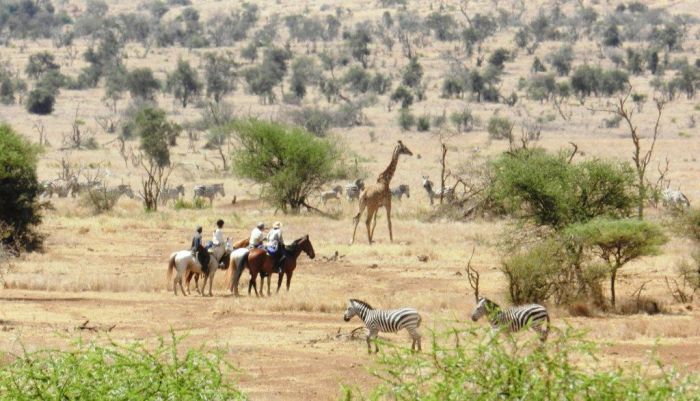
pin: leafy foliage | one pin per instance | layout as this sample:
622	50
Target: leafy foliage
119	372
618	242
469	364
289	163
20	211
157	134
142	84
553	192
184	83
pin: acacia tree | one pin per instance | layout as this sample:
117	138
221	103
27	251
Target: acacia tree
219	75
20	210
157	135
290	163
618	242
184	82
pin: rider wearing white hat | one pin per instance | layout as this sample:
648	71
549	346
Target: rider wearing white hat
275	244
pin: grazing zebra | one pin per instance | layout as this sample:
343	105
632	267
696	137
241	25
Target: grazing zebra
353	189
59	187
122	189
672	197
209	191
387	321
80	187
172	193
447	192
332	194
514	318
400	191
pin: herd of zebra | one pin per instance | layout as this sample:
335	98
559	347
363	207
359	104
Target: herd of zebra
64	188
511	319
353	189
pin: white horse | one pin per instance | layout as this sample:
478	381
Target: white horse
184	261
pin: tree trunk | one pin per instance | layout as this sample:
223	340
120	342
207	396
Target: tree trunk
613	275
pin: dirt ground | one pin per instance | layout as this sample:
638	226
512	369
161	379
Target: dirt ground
109	269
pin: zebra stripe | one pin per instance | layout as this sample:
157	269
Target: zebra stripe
209	191
514	318
400	191
385	320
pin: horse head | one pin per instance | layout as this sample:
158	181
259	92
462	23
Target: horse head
305	244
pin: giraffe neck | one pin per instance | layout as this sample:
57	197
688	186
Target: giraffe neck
386	175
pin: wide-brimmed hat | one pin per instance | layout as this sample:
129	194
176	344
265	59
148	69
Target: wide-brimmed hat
260	225
277	225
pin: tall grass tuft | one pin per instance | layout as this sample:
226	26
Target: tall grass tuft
197	203
471	364
115	372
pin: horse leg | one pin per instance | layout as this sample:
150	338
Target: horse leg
211	280
253	284
279	282
268	285
179	281
289	280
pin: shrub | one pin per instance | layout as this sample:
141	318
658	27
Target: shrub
499	57
469	364
463	120
423	123
142	84
500	128
552	192
41	100
119	372
314	120
41	63
219	75
197	203
100	200
406	119
561	60
289	163
19	190
532	274
357	79
412	74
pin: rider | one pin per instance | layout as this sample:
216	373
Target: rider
257	236
218	237
197	249
275	245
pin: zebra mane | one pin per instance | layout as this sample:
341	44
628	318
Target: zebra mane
490	305
363	303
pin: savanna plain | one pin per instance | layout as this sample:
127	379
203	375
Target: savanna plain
102	276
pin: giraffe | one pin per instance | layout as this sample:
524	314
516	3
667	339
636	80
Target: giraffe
379	195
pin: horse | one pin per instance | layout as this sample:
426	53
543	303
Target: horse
224	259
257	260
184	261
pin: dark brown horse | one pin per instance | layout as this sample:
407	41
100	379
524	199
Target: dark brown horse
258	261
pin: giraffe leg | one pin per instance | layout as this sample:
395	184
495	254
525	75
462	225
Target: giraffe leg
356	219
368	222
374	222
388	219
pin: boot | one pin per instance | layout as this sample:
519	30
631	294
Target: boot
280	263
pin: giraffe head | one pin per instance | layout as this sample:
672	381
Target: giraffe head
403	150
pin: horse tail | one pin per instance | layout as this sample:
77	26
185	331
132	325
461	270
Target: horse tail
171	266
240	267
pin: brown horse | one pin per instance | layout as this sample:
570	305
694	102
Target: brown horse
225	260
257	261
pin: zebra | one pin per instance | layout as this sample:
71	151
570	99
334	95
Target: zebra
353	189
514	318
387	321
447	193
209	191
122	189
671	197
59	187
332	194
400	191
172	193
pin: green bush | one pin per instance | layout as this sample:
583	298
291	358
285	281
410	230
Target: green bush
290	163
406	119
500	128
100	200
552	192
470	364
423	123
532	274
41	101
197	203
20	211
89	371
